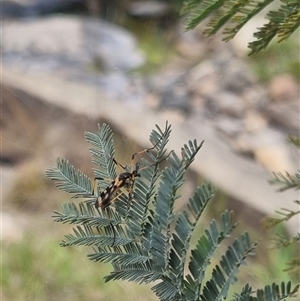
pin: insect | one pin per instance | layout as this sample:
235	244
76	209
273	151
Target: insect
125	180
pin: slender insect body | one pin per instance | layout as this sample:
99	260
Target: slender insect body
104	199
124	179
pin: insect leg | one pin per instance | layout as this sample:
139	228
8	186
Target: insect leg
95	184
158	161
118	164
145	150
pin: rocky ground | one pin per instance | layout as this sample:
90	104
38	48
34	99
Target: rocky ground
53	91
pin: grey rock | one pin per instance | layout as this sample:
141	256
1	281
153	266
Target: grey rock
235	76
143	9
175	96
30	8
60	42
269	148
113	46
203	78
285	114
231	127
227	103
255	121
159	82
72	46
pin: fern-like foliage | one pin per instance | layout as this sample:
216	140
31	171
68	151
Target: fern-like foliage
234	14
142	237
68	179
269	292
286	181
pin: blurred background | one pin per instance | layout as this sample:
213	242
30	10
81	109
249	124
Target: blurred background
70	65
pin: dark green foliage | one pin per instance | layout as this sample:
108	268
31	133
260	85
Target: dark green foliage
234	14
143	238
268	293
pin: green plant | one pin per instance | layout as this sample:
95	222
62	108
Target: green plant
149	242
236	13
286	181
